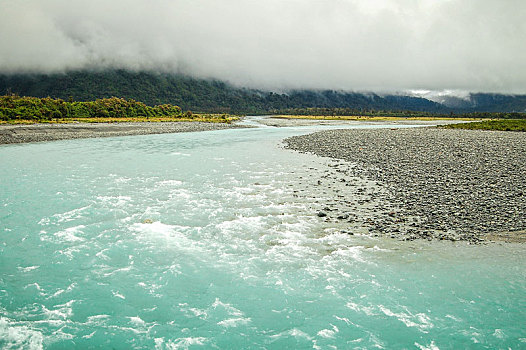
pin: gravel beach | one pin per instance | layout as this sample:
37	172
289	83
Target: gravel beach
51	132
458	185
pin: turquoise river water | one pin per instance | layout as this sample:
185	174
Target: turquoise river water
198	240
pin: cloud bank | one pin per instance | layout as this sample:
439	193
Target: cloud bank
380	45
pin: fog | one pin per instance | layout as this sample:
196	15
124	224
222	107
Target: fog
380	45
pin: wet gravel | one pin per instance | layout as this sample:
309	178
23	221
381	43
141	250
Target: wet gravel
51	132
429	183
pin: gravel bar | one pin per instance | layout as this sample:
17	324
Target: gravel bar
458	185
51	132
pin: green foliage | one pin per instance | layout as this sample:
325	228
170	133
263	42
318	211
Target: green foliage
46	109
502	125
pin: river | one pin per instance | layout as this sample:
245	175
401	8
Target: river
202	240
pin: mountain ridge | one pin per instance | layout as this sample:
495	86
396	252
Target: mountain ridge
203	95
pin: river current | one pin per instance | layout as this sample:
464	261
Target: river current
200	240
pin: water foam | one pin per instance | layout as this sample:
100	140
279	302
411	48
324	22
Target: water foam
179	343
70	234
13	336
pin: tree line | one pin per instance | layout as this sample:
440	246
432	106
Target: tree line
14	107
371	112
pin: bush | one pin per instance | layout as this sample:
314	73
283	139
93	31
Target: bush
33	108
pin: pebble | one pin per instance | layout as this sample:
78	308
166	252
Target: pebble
51	132
457	185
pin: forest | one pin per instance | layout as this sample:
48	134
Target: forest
212	96
199	95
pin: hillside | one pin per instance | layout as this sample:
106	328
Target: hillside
196	94
218	97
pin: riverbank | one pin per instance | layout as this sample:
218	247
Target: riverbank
51	132
381	118
293	121
465	185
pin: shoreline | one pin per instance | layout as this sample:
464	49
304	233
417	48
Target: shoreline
16	134
277	121
44	132
437	184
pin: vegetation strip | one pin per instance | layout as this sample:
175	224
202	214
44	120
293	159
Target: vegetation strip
23	110
499	125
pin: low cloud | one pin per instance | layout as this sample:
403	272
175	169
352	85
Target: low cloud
380	45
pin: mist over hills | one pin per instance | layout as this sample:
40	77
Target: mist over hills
202	95
487	103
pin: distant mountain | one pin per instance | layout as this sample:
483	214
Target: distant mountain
455	102
201	95
497	103
486	103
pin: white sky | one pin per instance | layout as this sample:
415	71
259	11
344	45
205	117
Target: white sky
379	45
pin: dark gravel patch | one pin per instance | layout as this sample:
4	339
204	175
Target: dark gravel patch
51	132
442	184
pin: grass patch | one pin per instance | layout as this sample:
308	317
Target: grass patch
500	125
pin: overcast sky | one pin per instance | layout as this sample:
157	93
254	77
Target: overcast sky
378	45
